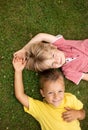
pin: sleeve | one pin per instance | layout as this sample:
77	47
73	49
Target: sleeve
74	76
34	109
76	103
58	38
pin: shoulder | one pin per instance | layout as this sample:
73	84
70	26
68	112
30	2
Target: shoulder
34	101
73	101
69	95
34	104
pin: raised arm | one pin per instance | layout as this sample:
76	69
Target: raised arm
36	39
39	38
18	82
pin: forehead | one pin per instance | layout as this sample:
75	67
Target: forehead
50	47
51	84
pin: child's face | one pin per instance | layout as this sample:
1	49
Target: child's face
57	58
53	92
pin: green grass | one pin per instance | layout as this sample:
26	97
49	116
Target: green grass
19	21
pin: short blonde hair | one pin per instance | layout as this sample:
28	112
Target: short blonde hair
51	75
37	55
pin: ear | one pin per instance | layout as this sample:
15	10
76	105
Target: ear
42	92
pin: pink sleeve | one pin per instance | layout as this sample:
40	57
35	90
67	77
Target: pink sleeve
59	41
73	76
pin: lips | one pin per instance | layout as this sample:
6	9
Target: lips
60	60
56	101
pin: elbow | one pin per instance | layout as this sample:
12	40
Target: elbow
84	114
40	36
18	97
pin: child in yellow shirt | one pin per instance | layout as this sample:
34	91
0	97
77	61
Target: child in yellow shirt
58	110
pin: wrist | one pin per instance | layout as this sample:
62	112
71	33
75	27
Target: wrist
79	115
18	71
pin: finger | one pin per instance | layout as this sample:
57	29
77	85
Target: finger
13	61
66	116
67	108
14	54
23	61
68	119
14	58
66	113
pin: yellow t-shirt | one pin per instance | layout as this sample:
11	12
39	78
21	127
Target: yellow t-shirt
50	117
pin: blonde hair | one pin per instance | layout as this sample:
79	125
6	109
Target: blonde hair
50	75
37	55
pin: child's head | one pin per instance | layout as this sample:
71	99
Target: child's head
42	56
52	86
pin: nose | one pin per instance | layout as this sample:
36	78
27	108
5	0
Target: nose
56	95
56	57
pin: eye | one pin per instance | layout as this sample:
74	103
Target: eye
53	55
60	91
50	92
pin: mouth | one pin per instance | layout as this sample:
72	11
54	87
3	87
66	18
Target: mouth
56	101
60	61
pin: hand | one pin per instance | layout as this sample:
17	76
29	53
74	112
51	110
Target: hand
18	64
70	114
21	54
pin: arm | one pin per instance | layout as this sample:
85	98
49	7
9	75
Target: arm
18	83
39	38
85	76
36	39
72	114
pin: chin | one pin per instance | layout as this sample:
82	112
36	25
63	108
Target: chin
56	105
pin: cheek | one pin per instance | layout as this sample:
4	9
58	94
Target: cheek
49	97
62	96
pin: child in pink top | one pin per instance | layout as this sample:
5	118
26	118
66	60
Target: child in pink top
70	55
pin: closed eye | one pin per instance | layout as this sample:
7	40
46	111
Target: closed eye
53	55
50	92
60	91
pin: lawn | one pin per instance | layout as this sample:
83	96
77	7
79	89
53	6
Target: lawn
20	20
